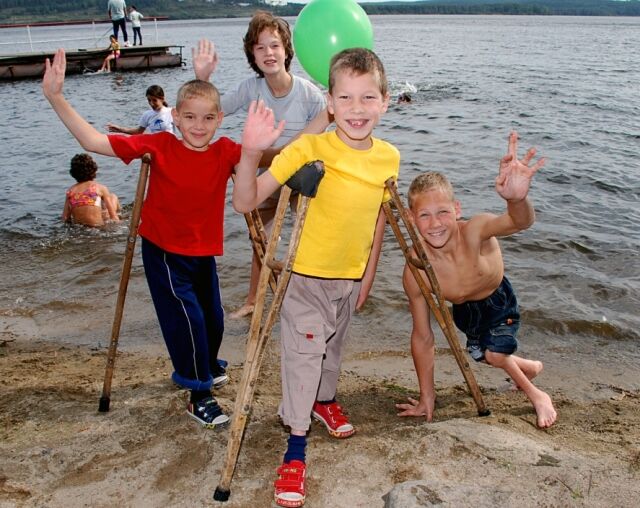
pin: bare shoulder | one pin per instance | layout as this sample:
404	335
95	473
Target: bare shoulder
476	222
472	230
102	189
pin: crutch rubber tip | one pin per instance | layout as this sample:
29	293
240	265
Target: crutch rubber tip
484	412
221	494
103	407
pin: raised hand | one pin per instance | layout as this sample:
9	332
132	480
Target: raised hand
205	59
260	131
514	177
54	72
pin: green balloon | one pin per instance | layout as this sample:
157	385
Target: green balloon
326	27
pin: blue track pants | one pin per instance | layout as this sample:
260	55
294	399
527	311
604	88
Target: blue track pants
186	295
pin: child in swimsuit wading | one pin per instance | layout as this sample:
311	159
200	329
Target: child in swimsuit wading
88	202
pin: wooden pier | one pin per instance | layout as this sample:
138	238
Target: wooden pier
31	65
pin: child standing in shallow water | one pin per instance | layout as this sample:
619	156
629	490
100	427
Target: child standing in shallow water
88	202
268	47
466	258
157	119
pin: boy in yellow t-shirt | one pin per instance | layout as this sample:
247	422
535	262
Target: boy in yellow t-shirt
338	252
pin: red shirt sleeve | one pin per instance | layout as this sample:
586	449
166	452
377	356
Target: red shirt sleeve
231	150
128	148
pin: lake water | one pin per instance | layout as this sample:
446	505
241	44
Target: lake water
568	85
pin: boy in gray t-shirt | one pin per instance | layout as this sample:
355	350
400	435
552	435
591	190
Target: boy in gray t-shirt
297	101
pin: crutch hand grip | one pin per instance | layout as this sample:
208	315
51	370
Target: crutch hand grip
307	179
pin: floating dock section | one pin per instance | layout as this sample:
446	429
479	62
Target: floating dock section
31	65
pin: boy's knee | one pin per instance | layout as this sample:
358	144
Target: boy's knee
495	359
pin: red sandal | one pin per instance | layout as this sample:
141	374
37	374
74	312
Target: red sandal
334	419
289	487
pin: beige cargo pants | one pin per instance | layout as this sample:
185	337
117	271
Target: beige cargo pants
314	321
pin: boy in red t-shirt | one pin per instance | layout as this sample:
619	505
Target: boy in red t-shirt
182	220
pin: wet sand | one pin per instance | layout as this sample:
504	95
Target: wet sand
57	450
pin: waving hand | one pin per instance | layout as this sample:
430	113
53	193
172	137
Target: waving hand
260	131
514	178
54	75
205	59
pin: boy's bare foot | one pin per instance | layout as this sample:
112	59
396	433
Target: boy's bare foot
245	310
545	410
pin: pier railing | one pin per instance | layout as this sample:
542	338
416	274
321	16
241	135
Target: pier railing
97	37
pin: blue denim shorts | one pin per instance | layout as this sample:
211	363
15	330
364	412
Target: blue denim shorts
491	323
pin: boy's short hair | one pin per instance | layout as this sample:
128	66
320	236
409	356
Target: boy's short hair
157	92
83	167
358	61
428	181
260	21
198	88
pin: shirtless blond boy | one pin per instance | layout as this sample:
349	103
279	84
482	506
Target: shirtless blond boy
466	258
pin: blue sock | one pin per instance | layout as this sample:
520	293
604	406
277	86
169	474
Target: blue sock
198	395
295	448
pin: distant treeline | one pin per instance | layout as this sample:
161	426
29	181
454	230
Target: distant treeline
512	7
19	11
31	11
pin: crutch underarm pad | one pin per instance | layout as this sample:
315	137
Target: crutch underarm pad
307	179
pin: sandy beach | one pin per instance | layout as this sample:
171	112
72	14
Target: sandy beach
56	449
565	83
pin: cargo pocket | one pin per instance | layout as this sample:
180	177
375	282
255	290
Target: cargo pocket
310	338
502	339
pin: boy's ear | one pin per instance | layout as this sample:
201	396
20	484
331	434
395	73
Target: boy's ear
458	209
412	217
329	103
220	117
385	102
175	116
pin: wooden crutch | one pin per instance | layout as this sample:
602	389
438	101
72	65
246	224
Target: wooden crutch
439	308
260	333
258	238
105	399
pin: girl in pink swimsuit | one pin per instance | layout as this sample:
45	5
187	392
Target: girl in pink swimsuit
114	52
88	202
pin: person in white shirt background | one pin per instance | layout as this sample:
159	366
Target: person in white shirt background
157	119
136	19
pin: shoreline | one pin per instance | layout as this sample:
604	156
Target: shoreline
57	450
